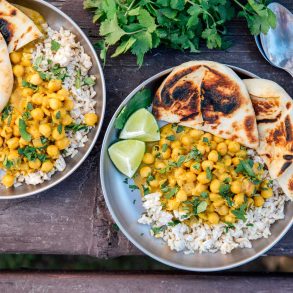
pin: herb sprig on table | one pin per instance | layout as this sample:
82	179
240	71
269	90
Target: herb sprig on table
141	25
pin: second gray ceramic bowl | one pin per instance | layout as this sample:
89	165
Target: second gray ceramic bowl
57	19
120	201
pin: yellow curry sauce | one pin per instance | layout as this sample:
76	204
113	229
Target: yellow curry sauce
33	124
202	176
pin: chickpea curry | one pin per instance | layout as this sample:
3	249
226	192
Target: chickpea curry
34	125
202	176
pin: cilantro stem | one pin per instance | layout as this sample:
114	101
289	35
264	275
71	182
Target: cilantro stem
239	4
129	7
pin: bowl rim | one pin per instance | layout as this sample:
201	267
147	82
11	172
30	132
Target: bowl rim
102	114
129	237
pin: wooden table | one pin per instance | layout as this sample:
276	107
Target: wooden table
72	217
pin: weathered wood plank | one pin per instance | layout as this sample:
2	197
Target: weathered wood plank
72	217
155	283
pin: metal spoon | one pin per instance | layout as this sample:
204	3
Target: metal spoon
277	44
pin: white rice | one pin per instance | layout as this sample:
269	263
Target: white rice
72	56
201	237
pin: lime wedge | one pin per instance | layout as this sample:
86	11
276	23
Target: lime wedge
127	155
141	125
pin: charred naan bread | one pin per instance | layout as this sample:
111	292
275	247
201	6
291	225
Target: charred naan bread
208	96
6	79
274	115
16	28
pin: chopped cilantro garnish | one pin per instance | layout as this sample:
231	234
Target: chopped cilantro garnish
55	46
206	141
225	192
204	194
24	83
209	173
240	213
133	187
228	226
164	147
76	127
179	129
58	115
22	130
171	137
181	160
59	128
89	81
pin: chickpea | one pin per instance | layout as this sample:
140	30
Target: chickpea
194	133
54	85
250	202
36	164
202	178
218	139
27	92
154	183
233	147
213	145
47	166
55	104
213	218
25	62
37	114
62	143
64	93
175	144
68	105
213	156
58	135
267	193
218	203
18	71
53	151
45	129
186	140
1	141
176	153
248	187
172	204
23	142
190	177
222	148
258	201
90	119
13	155
13	143
34	131
35	79
199	188
214	197
223	210
181	195
188	187
7	180
227	160
215	186
236	187
208	136
37	143
241	154
203	216
15	57
230	218
155	150
207	164
210	208
66	120
160	165
164	141
201	149
145	171
148	158
37	98
235	161
172	181
239	199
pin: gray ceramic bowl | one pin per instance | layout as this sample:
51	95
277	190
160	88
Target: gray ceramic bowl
56	18
120	201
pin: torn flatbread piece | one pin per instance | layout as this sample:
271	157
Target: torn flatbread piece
208	96
6	79
16	28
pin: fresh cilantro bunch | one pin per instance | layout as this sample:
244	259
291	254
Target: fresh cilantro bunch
140	25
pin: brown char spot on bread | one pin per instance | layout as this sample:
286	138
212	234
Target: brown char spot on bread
6	30
288	129
288	105
284	167
249	125
290	184
221	96
288	157
13	12
264	106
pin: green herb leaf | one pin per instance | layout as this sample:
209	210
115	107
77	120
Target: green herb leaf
89	81
58	116
204	194
55	46
241	212
22	129
179	129
133	187
201	207
171	137
181	160
29	85
209	173
164	147
59	128
142	99
76	127
226	193
171	192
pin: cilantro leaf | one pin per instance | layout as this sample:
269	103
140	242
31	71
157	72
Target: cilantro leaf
142	99
55	46
240	213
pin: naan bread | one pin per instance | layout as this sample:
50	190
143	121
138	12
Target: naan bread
274	115
17	29
208	96
6	78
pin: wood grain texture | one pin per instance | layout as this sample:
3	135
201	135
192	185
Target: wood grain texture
72	217
155	283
